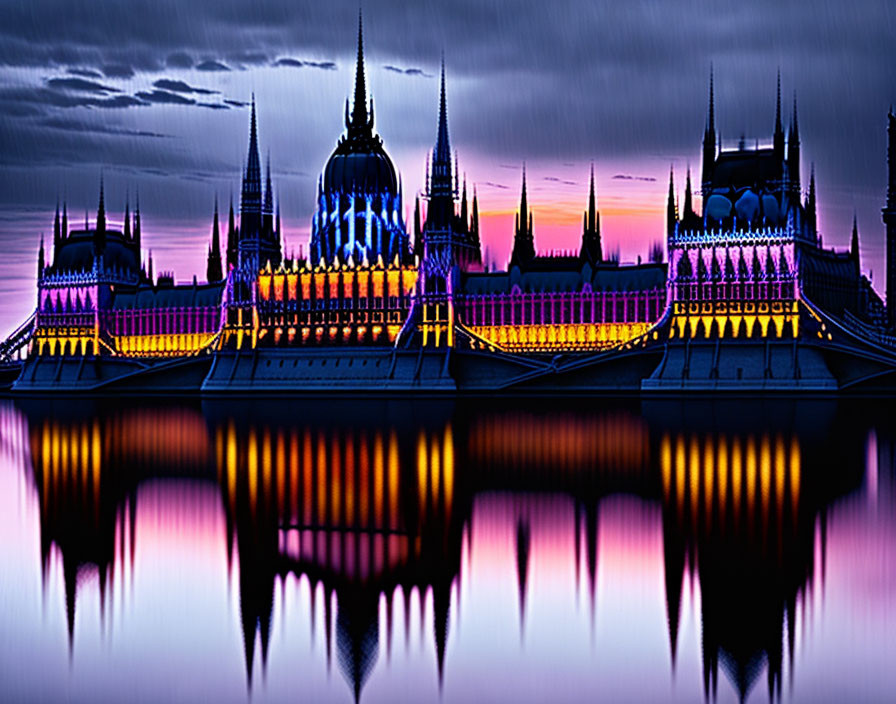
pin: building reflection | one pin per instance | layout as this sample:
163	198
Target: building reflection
372	502
363	508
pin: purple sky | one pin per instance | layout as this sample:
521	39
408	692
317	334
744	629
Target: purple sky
140	91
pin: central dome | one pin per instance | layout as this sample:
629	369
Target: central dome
359	165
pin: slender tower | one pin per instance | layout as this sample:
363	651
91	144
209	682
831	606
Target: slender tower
671	209
213	269
890	221
709	140
523	238
591	244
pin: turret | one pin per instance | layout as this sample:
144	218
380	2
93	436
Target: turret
100	232
709	139
523	239
793	152
56	228
778	140
137	234
64	232
688	197
268	208
232	246
811	214
213	266
591	242
854	241
41	262
250	204
671	209
127	218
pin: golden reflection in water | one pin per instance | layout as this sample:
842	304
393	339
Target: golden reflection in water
560	441
718	481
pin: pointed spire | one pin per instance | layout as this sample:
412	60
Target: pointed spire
213	267
137	232
795	130
64	232
360	119
149	271
709	136
269	189
463	206
41	261
100	232
474	223
854	241
811	212
688	196
524	205
671	207
443	148
56	227
127	217
592	203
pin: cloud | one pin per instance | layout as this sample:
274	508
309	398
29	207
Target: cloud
630	177
181	87
253	58
118	71
325	65
85	73
495	185
164	96
287	61
60	123
81	85
179	59
212	66
555	179
236	103
412	71
213	106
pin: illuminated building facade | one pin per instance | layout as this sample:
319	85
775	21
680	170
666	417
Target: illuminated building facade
561	303
359	204
742	269
95	297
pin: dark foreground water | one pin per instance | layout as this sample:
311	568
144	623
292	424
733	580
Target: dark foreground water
321	551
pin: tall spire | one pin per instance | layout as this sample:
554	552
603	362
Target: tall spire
64	232
854	241
709	136
137	233
793	151
41	260
523	239
464	222
232	248
591	244
441	155
213	267
56	227
250	208
688	195
811	213
671	208
778	140
100	232
474	224
127	217
360	119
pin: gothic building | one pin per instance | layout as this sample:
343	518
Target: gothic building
359	203
257	240
447	236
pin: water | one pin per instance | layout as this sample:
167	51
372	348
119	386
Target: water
447	552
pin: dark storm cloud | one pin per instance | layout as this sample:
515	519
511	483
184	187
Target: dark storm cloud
255	58
299	63
213	106
118	71
81	85
236	103
164	96
212	66
59	123
22	101
179	59
412	71
85	73
181	87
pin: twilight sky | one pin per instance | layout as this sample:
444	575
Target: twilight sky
152	93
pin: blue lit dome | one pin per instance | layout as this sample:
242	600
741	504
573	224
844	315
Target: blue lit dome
360	166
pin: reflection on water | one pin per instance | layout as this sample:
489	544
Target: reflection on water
440	551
